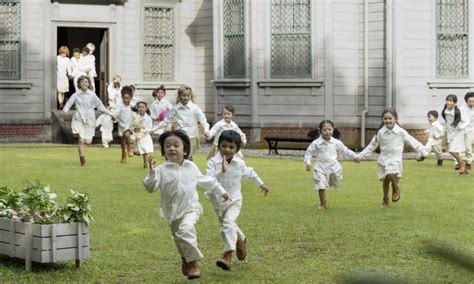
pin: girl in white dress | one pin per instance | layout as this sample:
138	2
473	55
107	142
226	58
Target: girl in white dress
63	65
83	121
391	137
177	180
141	135
327	171
160	104
124	114
456	123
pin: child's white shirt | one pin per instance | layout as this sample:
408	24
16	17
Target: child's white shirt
435	134
231	179
124	115
105	123
391	143
177	184
185	118
326	153
63	65
470	116
217	129
74	67
114	95
455	131
85	103
159	106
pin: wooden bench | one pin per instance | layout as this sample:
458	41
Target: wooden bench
273	143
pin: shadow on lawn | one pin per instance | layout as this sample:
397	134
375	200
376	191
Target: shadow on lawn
18	265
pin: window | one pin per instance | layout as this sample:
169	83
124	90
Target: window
291	55
10	40
234	39
158	44
452	21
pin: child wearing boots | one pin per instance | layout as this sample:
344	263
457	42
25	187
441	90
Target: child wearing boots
177	179
229	169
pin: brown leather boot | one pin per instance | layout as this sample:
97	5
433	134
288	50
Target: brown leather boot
184	267
83	160
241	249
396	193
385	202
193	270
225	261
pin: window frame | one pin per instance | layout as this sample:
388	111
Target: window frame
174	7
21	61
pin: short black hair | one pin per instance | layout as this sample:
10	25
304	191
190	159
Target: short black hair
127	90
433	113
468	95
86	49
231	136
229	108
76	49
181	135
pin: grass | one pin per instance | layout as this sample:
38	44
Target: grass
289	239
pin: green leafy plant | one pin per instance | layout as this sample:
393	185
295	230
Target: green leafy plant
77	208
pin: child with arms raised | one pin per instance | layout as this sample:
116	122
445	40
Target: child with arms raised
226	123
83	121
327	171
177	179
391	137
229	169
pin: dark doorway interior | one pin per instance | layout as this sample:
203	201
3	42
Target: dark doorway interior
73	37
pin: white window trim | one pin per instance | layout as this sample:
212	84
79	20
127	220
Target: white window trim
175	40
268	39
20	82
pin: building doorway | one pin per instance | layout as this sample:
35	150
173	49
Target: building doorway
78	37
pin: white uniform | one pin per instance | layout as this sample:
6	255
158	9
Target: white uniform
435	138
87	64
179	201
63	65
124	116
158	107
228	212
391	143
327	171
143	142
106	128
76	71
216	131
469	131
115	95
456	134
83	121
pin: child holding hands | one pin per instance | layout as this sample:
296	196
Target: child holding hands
327	171
142	125
391	137
177	179
229	169
435	136
159	105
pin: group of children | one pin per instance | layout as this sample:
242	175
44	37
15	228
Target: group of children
82	63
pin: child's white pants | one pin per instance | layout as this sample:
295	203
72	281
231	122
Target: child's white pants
230	232
184	236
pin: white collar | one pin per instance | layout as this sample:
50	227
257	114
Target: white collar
320	140
450	112
396	129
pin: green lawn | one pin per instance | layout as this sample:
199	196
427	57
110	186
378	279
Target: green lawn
289	239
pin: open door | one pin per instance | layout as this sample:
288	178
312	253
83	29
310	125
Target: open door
104	67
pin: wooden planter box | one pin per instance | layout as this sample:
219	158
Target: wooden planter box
44	243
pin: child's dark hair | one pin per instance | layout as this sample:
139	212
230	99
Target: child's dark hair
393	112
229	108
433	113
457	112
335	133
468	95
76	49
143	103
181	90
127	90
181	135
82	78
232	137
86	49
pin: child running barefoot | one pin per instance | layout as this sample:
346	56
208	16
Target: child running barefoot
177	179
391	137
226	123
143	142
435	136
83	121
456	123
124	114
185	115
327	171
229	169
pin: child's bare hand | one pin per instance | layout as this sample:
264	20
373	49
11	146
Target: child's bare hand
225	164
420	159
152	162
226	197
265	190
308	168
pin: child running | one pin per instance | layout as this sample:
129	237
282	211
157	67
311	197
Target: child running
456	123
159	105
83	121
391	137
177	179
142	125
185	115
229	169
106	128
226	123
468	109
124	114
327	171
435	136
